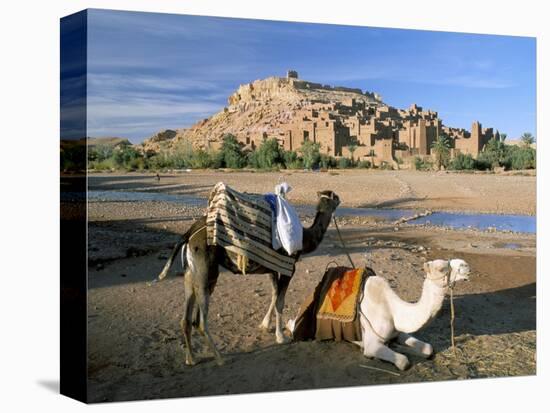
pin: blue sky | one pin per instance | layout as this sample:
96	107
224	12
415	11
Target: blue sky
148	72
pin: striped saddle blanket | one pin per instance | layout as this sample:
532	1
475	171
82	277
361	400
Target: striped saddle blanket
242	224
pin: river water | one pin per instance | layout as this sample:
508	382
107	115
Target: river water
515	223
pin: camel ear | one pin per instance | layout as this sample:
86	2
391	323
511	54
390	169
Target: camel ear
427	266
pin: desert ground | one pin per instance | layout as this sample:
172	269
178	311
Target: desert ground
134	339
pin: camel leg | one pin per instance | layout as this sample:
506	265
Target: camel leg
414	346
196	316
186	321
358	343
267	318
372	347
202	300
282	286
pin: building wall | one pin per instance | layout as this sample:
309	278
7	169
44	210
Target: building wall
382	130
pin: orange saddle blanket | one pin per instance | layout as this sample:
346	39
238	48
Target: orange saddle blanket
330	312
340	301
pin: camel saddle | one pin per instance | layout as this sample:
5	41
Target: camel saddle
331	311
242	224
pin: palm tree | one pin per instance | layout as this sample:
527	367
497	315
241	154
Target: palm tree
442	149
527	139
352	148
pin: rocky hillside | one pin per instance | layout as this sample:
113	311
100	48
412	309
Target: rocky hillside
263	107
108	141
159	139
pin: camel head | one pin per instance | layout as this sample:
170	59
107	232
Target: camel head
328	201
460	270
447	272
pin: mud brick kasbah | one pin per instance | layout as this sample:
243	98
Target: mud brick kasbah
293	111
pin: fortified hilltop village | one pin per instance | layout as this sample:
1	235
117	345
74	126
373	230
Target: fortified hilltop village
293	111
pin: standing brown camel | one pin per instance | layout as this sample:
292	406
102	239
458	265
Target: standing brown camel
201	270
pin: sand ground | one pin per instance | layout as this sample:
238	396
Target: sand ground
135	349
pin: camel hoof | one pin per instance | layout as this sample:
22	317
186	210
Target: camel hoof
220	361
291	325
403	363
428	351
282	340
264	326
189	362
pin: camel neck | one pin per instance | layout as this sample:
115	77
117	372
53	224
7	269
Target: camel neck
411	317
314	234
430	302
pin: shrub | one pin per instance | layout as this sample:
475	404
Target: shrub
180	156
493	154
364	164
125	157
422	164
521	158
326	161
201	159
462	162
231	155
73	156
310	154
105	165
344	163
269	155
100	152
290	158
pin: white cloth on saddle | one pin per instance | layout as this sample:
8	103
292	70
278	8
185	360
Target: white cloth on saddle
288	231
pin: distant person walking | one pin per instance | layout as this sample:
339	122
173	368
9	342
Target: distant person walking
158	177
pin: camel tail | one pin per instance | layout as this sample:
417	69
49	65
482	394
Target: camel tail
181	244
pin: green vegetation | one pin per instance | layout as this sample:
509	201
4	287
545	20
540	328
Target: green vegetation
520	158
497	154
493	155
442	150
310	154
527	139
352	148
231	154
344	163
421	164
270	156
327	161
462	162
72	156
364	164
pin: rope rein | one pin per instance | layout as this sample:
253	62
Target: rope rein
450	286
452	319
342	241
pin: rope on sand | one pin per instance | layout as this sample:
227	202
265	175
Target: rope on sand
378	369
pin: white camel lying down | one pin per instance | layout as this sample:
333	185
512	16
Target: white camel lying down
384	316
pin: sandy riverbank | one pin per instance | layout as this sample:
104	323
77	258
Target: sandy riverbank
445	191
